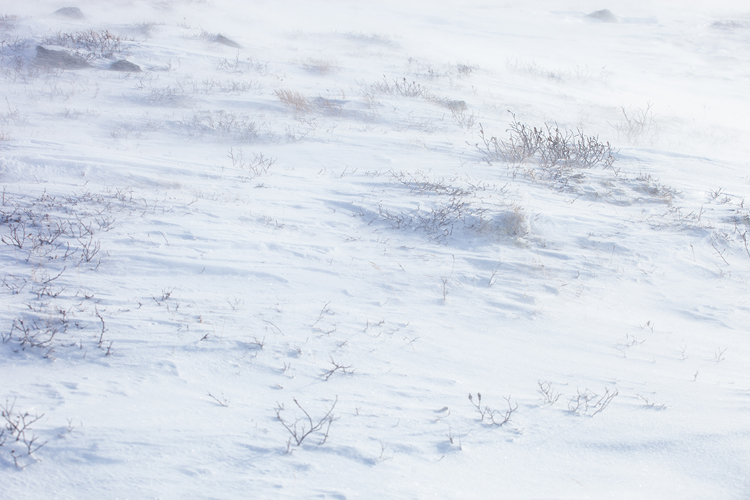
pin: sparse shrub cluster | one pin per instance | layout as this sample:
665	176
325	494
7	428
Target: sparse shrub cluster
427	71
13	116
320	66
401	87
8	21
445	206
254	167
589	403
231	86
90	44
169	95
221	123
14	65
293	100
555	150
46	227
638	125
17	435
245	65
48	236
646	184
14	45
370	38
578	73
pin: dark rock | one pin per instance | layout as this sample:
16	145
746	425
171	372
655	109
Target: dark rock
603	16
70	12
226	41
124	65
58	59
456	106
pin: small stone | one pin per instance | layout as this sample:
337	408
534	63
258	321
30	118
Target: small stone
70	12
226	41
123	65
603	16
457	106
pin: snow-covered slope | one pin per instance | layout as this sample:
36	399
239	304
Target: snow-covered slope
302	254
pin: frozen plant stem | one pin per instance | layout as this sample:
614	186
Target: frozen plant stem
336	367
17	429
222	402
587	401
549	394
303	427
454	438
494	417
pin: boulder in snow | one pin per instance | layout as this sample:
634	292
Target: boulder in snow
226	41
69	12
603	16
58	59
123	65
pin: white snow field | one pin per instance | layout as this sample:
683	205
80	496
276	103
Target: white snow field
400	250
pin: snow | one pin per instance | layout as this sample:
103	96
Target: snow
306	224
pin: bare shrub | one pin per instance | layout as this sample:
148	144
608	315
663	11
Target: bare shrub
225	124
514	220
395	87
448	205
549	393
578	73
231	86
48	236
167	96
337	367
557	152
532	68
13	116
569	149
522	144
490	416
370	38
8	22
16	67
292	99
646	184
18	433
590	403
401	87
639	125
15	45
320	66
255	167
445	206
90	44
303	427
245	65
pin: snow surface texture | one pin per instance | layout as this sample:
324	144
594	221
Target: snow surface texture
277	261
